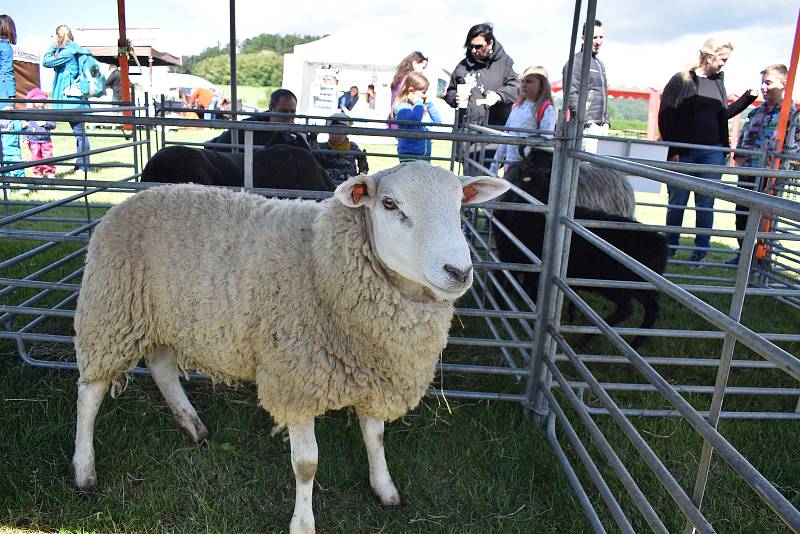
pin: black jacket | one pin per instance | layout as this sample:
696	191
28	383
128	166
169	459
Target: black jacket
114	81
677	117
597	87
495	73
261	138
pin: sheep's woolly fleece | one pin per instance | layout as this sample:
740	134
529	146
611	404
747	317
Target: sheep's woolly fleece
287	294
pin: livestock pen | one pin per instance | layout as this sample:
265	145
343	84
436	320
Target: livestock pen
633	432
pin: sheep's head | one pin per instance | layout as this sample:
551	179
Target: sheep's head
414	215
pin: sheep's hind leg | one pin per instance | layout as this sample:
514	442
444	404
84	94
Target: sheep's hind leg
379	477
649	300
304	463
90	397
163	367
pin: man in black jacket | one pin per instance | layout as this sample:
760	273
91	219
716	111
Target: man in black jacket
486	75
595	120
280	101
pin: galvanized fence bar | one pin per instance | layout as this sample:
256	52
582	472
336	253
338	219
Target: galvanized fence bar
601	442
572	477
767	492
594	473
778	356
723	371
661	472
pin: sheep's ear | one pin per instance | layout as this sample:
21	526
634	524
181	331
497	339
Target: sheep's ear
482	188
356	191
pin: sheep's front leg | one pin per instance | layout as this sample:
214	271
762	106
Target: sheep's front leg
379	477
304	462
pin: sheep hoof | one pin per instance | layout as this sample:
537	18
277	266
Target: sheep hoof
197	431
390	499
84	481
302	525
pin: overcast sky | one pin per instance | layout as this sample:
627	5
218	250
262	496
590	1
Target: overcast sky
646	41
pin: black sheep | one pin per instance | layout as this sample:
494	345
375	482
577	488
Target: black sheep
586	260
275	167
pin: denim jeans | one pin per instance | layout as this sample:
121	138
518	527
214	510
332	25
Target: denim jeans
81	145
704	218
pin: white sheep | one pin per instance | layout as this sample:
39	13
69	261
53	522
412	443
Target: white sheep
323	305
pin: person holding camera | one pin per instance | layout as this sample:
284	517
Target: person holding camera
484	83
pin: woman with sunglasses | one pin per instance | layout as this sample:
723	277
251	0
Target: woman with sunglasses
486	75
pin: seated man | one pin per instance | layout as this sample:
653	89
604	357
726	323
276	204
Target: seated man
280	101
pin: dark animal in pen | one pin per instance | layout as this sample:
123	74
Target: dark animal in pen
599	188
586	260
275	167
261	138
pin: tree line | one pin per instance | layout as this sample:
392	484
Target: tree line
259	60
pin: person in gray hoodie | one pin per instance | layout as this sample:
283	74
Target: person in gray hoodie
488	74
595	120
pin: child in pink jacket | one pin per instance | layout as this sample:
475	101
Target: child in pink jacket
38	136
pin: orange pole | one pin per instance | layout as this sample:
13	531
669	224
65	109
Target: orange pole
122	57
780	132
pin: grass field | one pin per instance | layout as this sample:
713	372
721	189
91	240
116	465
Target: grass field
479	467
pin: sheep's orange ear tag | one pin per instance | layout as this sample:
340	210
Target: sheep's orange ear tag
359	190
469	194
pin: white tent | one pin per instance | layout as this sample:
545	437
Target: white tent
365	52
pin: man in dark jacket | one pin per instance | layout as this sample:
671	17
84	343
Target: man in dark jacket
487	75
595	120
280	101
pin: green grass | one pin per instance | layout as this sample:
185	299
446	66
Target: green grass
481	468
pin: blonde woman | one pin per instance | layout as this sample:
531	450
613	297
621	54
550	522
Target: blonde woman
62	57
694	109
533	110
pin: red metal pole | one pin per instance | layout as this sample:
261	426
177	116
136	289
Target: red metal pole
783	120
122	57
780	132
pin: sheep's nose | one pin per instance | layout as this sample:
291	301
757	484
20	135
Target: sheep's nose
459	275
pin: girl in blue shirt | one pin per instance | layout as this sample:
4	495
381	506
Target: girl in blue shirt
412	104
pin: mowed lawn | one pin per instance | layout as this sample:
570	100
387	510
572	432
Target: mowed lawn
461	466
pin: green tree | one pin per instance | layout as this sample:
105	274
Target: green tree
258	69
188	62
272	42
280	44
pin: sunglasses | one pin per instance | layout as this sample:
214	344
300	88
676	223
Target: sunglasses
477	46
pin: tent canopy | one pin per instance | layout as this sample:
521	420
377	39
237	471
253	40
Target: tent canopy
147	55
103	44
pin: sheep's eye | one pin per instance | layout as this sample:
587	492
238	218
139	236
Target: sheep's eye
389	204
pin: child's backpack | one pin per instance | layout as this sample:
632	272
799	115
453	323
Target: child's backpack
91	79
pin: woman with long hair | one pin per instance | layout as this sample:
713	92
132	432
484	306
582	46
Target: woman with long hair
413	62
533	110
63	58
694	109
8	37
